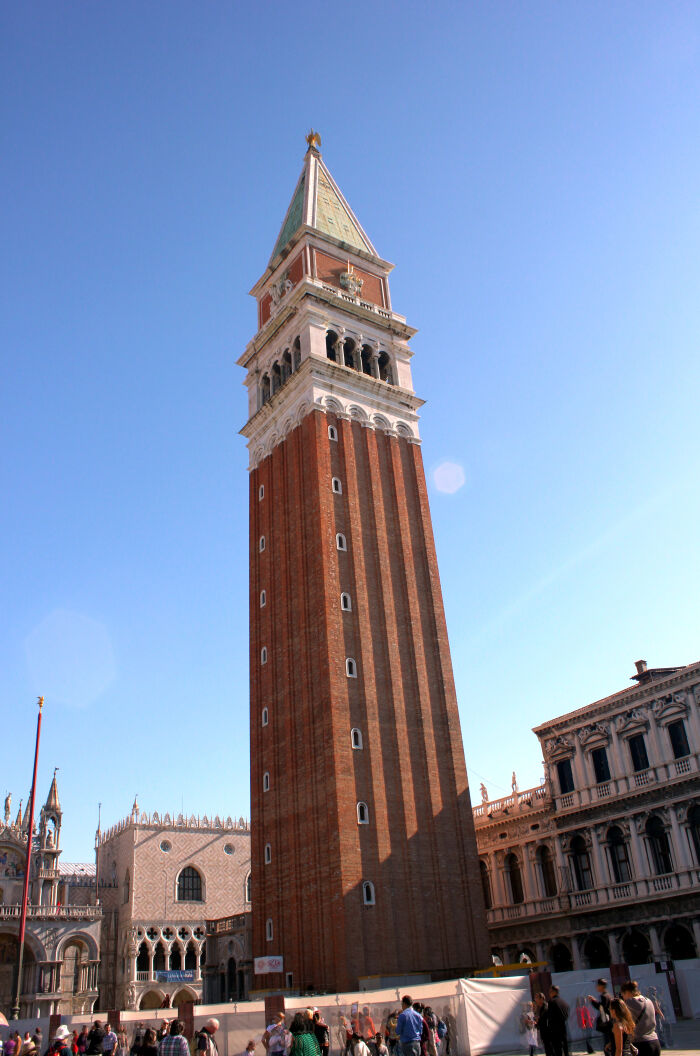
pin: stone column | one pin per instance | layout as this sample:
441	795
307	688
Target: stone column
615	955
655	943
497	890
530	887
151	959
696	933
601	876
639	858
680	843
198	969
576	954
374	363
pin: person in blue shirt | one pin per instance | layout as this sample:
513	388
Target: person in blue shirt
409	1028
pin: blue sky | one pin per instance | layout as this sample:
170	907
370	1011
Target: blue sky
532	171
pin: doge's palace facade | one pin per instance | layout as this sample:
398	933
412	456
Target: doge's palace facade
169	875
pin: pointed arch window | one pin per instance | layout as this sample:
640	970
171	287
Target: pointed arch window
341	542
189	885
368	893
265	716
350	668
261	544
362	814
261	492
356	738
263	599
263	655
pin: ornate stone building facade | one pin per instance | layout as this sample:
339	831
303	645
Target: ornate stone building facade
167	876
364	858
62	938
601	863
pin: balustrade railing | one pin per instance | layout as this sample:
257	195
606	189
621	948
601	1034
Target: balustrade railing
48	912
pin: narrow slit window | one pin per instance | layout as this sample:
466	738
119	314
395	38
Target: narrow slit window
261	544
332	432
263	655
263	599
268	929
345	603
261	492
340	541
368	893
337	486
356	738
362	814
350	668
268	854
266	781
265	717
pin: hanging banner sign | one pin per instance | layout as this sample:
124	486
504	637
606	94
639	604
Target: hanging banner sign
176	975
264	965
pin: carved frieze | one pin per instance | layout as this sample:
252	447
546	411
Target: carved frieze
632	720
558	747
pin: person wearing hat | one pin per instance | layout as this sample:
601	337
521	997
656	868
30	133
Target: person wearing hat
276	1037
61	1045
604	1022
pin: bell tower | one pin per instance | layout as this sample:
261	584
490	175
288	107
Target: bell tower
364	859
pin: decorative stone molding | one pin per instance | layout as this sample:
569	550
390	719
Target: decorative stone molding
670	708
636	720
558	748
596	735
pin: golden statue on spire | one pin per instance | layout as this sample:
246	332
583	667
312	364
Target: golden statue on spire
313	139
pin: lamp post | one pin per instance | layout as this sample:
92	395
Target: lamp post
25	889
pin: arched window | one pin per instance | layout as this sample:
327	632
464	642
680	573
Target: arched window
189	885
581	861
351	353
266	781
331	340
248	888
159	958
263	655
619	857
332	432
350	668
268	854
143	960
264	389
265	717
345	603
268	929
485	884
340	541
191	957
263	599
337	486
548	877
176	958
276	377
362	814
368	892
659	847
385	371
261	492
261	544
694	830
515	879
127	886
356	738
296	354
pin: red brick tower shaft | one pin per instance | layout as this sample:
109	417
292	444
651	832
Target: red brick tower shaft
363	855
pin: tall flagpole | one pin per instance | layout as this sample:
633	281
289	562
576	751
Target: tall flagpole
27	868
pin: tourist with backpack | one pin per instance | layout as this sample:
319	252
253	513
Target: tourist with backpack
603	1023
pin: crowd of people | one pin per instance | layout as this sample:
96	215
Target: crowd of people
416	1030
627	1024
99	1039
